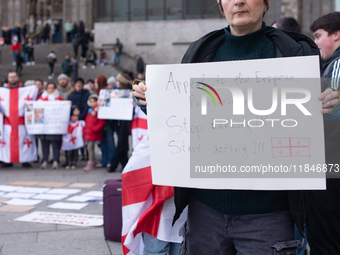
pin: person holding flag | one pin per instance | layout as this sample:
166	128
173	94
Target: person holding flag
17	145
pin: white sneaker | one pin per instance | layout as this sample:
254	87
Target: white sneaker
32	63
93	67
28	63
55	165
14	63
50	77
102	64
84	67
44	165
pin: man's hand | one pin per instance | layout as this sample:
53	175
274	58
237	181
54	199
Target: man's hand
330	99
139	92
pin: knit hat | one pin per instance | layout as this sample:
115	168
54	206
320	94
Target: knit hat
123	78
111	80
62	76
92	96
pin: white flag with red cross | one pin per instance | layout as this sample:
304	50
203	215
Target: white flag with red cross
74	138
139	127
17	145
147	208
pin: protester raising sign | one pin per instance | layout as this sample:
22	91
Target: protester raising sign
115	104
47	117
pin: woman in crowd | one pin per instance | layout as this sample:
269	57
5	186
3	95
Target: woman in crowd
122	127
50	94
107	144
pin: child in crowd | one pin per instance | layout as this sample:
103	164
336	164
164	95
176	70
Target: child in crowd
93	130
51	59
73	140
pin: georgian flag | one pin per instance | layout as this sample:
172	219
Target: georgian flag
52	97
17	145
147	208
74	138
139	127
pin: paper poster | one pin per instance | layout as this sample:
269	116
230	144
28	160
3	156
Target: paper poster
67	206
47	117
116	104
1	125
252	124
75	219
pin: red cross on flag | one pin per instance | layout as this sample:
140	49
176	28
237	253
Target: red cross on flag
17	145
139	127
74	138
147	208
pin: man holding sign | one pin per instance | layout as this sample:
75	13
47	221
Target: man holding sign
244	221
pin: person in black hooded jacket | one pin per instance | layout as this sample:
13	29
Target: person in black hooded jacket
323	222
240	41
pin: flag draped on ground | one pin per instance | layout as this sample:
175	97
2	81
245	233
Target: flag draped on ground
139	127
74	138
17	145
147	208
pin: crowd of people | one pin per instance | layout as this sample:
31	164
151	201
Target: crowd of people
84	99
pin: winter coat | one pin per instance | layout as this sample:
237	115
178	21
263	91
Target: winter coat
93	128
80	99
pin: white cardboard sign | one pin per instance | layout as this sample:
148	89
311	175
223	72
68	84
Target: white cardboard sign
116	104
47	117
246	143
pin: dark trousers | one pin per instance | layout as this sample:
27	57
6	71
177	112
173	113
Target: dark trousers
84	48
120	154
31	56
208	231
51	67
323	220
90	61
56	145
68	37
72	156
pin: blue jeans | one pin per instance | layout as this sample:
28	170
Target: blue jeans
116	59
301	249
154	246
25	56
107	146
208	231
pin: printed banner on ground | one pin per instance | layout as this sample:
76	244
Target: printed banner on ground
252	124
75	219
116	104
47	117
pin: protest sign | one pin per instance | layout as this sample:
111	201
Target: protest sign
47	117
1	126
75	219
237	125
115	104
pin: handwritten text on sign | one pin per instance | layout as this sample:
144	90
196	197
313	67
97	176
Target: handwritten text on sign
199	136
